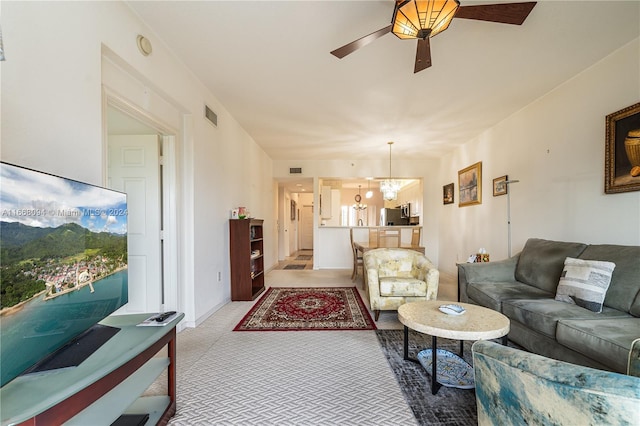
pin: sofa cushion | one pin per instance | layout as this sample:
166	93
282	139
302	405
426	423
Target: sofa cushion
542	315
402	286
625	280
584	283
492	294
606	340
541	262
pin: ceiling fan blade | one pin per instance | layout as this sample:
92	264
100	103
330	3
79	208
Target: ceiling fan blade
505	13
343	51
423	55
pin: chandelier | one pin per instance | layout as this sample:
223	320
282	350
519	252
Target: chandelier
422	19
390	187
358	205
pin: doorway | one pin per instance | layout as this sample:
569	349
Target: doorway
306	227
136	154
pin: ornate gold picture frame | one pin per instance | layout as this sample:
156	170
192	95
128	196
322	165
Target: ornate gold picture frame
622	155
470	185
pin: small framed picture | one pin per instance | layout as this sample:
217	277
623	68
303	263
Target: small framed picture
447	194
500	186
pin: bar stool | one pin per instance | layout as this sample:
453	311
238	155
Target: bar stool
415	236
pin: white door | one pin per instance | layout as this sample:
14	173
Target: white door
306	228
134	168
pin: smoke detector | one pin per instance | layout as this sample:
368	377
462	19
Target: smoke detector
144	45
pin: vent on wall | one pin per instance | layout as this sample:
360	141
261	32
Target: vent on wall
211	116
295	170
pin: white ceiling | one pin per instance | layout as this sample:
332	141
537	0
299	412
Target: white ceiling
268	63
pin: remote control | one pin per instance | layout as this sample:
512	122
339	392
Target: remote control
164	316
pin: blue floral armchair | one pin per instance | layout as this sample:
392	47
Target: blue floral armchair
514	387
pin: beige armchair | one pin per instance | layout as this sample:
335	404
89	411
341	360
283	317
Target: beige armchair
397	276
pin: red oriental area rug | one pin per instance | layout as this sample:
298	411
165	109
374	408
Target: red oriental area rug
286	309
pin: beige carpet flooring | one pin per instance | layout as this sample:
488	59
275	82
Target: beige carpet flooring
288	378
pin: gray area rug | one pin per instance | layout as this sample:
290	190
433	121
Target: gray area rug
449	406
302	378
295	266
304	257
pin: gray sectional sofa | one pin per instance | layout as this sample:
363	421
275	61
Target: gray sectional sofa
524	286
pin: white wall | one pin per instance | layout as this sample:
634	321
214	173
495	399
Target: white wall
52	121
555	147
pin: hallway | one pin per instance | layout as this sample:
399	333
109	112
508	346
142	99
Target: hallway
302	259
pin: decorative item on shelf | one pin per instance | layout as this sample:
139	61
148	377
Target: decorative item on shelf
390	187
242	212
255	254
358	205
234	213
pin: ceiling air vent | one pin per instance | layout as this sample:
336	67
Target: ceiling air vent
211	116
295	170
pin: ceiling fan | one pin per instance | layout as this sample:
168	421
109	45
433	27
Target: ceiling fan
423	19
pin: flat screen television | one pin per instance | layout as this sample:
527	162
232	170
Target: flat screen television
63	268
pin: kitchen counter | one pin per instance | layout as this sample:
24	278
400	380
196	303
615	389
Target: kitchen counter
335	247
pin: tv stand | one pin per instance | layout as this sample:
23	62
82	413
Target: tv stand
107	384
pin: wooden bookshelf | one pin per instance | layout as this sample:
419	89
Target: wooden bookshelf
247	258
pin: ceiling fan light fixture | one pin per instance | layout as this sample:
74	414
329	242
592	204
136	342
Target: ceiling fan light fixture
421	19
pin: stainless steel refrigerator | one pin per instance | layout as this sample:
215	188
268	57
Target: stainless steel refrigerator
392	217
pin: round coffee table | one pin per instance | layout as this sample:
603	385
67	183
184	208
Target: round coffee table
477	323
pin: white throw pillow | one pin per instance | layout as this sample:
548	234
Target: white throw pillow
585	282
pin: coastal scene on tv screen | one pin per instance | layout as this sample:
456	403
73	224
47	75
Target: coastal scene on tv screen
63	264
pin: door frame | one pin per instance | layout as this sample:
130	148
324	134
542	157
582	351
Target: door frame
169	261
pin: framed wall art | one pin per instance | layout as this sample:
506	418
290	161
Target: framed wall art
500	186
293	210
470	185
447	194
622	154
